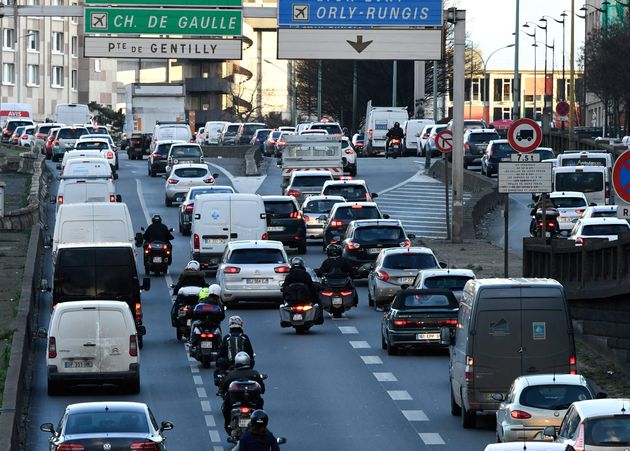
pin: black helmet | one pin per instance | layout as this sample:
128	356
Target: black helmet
333	250
396	124
259	418
297	262
156	219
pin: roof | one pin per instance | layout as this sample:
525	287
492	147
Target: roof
456	272
279	198
94	244
517	282
185	143
556	194
211	188
92	303
546	379
322	197
351	204
248	244
405	250
473	131
115	406
170	141
603	407
600	221
529	446
345	182
580	168
90	138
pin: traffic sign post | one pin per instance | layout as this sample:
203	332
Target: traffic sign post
524	135
444	143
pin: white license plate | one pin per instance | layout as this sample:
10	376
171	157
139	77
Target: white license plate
256	281
214	241
374	251
427	336
275	229
206	344
157	259
78	364
188	322
407	279
243	423
337	302
298	317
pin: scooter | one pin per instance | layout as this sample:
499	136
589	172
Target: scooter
206	337
298	310
157	255
246	396
394	148
187	298
552	227
338	295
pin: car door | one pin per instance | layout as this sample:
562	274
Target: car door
214	218
114	339
77	341
248	219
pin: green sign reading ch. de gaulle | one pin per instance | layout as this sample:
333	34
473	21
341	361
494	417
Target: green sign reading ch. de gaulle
205	22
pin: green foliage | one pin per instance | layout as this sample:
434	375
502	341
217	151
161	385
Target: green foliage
104	115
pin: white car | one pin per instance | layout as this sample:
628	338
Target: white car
448	279
351	190
101	144
608	228
27	136
600	211
528	446
183	177
422	139
306	183
252	270
315	211
570	205
350	157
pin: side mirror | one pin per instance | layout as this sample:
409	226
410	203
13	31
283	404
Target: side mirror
281	440
166	426
141	330
411	236
385	216
47	427
550	431
417	135
58	166
118	198
139	239
53	200
215	175
498	397
167	169
447	338
42	333
443	265
48	242
601	395
404	286
373	195
146	284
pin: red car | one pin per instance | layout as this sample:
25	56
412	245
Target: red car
48	145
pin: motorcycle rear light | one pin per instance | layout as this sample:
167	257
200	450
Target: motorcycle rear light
206	335
190	207
352	245
149	247
382	275
133	346
232	269
164	246
281	269
172	181
70	447
520	415
301	308
60	199
112	198
346	293
144	446
296	215
245	409
52	348
327	293
196	242
210	180
294	193
551	224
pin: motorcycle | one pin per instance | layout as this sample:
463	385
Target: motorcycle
337	295
394	148
245	396
298	310
552	227
205	339
187	298
157	255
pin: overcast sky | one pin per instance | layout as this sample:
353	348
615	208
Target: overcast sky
490	24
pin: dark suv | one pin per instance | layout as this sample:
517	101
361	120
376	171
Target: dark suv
139	144
497	150
285	222
365	239
344	212
157	158
475	143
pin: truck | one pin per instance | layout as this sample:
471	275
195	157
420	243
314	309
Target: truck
73	114
307	152
147	103
13	111
378	120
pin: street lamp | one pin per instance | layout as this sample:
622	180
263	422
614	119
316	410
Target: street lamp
604	11
486	97
293	93
563	22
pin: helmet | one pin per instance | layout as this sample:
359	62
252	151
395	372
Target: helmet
241	359
235	322
156	219
192	265
396	124
333	250
214	290
259	418
297	262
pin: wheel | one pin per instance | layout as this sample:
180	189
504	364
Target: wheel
140	342
391	349
186	232
383	342
301	329
205	361
152	173
54	388
168	202
370	299
455	409
469	418
133	386
178	333
337	314
181	229
301	248
157	273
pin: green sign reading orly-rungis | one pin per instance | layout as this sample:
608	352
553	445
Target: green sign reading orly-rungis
207	22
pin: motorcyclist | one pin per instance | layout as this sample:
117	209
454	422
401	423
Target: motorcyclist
336	266
298	274
257	437
547	203
242	372
395	132
234	342
190	277
158	231
212	296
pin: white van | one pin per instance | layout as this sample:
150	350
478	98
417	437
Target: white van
93	342
219	218
412	129
212	131
79	191
585	158
72	113
81	168
92	222
593	181
378	120
170	131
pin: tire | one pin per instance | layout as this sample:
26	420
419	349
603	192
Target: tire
301	249
337	314
455	409
181	229
133	386
205	361
168	202
187	232
391	350
54	388
469	418
370	299
301	330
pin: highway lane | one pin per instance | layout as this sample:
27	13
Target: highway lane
333	389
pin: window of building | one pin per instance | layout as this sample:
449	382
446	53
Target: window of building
8	39
57	41
8	73
73	79
74	44
57	77
501	113
97	65
33	40
32	75
476	89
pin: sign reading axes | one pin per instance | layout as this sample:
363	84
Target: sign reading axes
359	45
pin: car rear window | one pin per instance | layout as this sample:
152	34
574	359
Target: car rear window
262	134
447	282
477	138
418	300
553	397
604	214
97	129
71	133
545	154
331	129
604	229
190	172
319	206
87	145
584	182
310	180
608	431
107	422
589	161
162	149
276	134
78	324
378	233
279	208
568	202
185	151
44	129
358	212
12	125
251	128
502	150
256	256
346	191
198	192
410	260
232	129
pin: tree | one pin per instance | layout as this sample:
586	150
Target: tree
105	115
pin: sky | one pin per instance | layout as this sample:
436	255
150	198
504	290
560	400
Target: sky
490	25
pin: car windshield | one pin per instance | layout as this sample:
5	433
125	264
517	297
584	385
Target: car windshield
319	206
349	192
584	182
190	172
279	209
582	161
607	431
310	180
419	300
331	129
553	397
356	212
85	145
44	129
410	260
162	149
108	421
256	257
185	151
378	233
568	202
71	133
477	138
604	229
447	282
502	150
198	192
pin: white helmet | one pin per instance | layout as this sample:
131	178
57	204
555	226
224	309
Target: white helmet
241	359
192	265
214	290
235	322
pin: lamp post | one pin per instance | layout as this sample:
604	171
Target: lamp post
486	96
293	88
563	22
546	104
535	45
515	85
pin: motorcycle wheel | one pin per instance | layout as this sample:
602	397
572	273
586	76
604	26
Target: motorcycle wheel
301	330
205	361
337	314
178	333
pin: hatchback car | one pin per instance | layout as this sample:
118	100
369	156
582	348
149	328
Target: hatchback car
600	211
415	319
65	140
497	151
183	177
570	205
107	425
396	268
101	144
351	190
252	270
315	211
332	128
41	134
228	134
10	127
429	146
259	138
606	228
348	157
285	222
475	143
27	137
537	401
15	136
156	163
281	142
343	213
246	132
270	142
50	139
444	279
423	138
184	153
188	204
306	183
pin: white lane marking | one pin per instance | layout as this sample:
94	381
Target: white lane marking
385	377
371	360
417	177
205	406
214	436
431	438
210	421
415	415
217	448
201	392
194	369
198	380
346	330
399	395
190	359
360	344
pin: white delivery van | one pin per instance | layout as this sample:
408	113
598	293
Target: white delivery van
170	131
585	158
92	222
79	191
412	129
212	131
593	181
13	111
219	218
72	113
93	342
378	120
81	168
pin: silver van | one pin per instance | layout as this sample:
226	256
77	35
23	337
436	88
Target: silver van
506	328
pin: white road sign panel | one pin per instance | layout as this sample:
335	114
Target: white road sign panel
162	48
525	157
349	44
525	177
623	210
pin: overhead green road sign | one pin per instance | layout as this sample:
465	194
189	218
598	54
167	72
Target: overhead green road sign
206	22
190	3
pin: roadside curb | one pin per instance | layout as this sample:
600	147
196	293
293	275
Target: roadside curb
252	156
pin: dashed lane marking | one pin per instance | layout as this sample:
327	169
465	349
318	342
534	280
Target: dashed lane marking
210	421
385	377
371	360
347	330
415	415
360	344
201	392
399	395
194	369
431	438
214	436
198	380
205	406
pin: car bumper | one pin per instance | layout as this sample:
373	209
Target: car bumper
314	232
567	225
253	292
288	238
472	160
207	260
518	432
102	377
158	166
176	195
411	337
384	292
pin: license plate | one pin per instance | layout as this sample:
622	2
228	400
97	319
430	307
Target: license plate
157	259
188	322
374	251
243	423
256	281
298	317
206	344
427	336
275	229
181	313
214	241
337	302
407	279
78	364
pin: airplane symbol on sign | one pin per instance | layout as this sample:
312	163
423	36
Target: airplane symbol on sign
300	12
99	21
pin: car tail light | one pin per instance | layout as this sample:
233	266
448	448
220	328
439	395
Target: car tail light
520	415
264	236
296	215
346	293
551	225
580	240
468	370
579	211
579	441
352	245
144	446
326	293
449	322
60	199
356	207
138	311
196	242
382	275
24	136
294	193
173	181
190	207
156	155
133	346
400	322
607	192
572	365
301	308
52	348
210	180
112	198
307	219
281	269
345	177
232	269
70	447
110	155
336	223
466	146
405	243
349	151
425	136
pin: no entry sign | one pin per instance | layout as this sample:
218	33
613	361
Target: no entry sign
621	176
524	135
444	141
